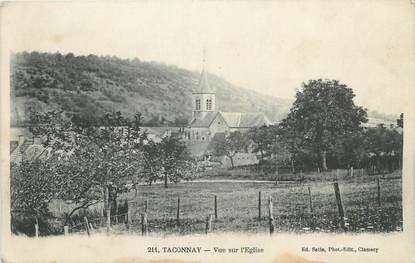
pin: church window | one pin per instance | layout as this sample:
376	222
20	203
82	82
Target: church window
197	104
209	104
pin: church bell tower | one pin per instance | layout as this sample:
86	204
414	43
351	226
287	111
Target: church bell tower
204	97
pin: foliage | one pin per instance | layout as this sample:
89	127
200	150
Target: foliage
33	185
384	147
90	160
113	84
322	115
231	144
399	121
167	160
263	139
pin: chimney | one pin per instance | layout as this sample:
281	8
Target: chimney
21	140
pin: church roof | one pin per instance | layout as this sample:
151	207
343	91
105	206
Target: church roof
232	119
244	119
205	121
203	85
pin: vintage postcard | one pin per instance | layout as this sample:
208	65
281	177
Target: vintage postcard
207	131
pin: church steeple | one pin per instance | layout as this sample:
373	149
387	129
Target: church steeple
204	99
203	85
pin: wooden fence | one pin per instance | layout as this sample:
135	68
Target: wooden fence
141	217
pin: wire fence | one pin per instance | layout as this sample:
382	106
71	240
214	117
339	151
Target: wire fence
363	203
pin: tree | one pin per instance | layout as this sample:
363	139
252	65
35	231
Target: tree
230	144
33	185
323	114
350	152
399	122
263	139
167	160
384	146
290	139
91	160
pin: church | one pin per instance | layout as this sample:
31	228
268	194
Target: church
209	125
207	121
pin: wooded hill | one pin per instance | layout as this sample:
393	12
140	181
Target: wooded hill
92	85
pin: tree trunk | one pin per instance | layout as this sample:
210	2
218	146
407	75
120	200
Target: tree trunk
232	165
165	181
292	165
107	207
66	219
116	210
324	161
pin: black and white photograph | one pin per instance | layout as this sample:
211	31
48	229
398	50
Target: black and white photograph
194	119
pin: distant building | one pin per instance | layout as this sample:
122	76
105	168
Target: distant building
208	125
24	146
207	120
375	122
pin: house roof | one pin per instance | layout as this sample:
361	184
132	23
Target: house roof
374	122
205	121
159	131
29	151
203	85
15	132
244	119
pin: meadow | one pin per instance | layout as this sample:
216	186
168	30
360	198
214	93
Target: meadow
237	206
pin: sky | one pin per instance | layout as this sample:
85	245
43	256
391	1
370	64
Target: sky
267	46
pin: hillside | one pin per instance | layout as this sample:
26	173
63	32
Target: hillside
92	85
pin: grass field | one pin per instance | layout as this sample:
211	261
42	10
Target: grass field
238	206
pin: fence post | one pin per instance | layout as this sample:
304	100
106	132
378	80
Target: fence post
145	206
36	228
339	204
259	206
311	201
144	224
129	214
65	230
216	208
271	217
87	225
178	211
91	227
208	224
116	210
378	186
351	171
107	205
